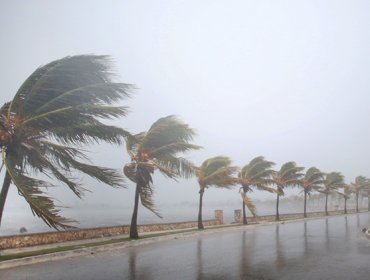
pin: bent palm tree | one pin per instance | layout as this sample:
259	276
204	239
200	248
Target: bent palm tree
257	173
366	191
218	172
347	191
56	110
288	175
157	149
360	184
312	180
332	182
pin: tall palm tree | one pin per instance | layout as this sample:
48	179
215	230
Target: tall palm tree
360	183
346	194
56	112
257	173
218	172
332	182
157	149
366	191
312	180
288	175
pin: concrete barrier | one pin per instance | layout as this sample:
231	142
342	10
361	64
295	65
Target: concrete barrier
27	240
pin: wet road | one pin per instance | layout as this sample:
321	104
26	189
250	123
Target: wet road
328	248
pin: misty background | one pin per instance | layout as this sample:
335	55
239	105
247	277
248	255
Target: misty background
284	79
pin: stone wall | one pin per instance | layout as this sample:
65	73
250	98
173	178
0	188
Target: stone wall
27	240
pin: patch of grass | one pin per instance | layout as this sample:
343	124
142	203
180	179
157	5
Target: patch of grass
82	246
61	249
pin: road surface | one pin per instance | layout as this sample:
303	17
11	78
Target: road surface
327	248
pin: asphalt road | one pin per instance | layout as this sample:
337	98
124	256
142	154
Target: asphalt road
327	248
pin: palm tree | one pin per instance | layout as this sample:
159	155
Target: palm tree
288	175
366	191
157	149
360	183
55	112
332	182
312	180
347	191
256	173
218	172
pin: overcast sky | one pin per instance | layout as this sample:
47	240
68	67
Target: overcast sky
288	80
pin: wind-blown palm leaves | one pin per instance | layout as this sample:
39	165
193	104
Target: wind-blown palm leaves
360	184
157	149
257	173
218	172
332	182
312	180
288	175
56	110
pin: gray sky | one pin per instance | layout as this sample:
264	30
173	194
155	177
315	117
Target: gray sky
284	79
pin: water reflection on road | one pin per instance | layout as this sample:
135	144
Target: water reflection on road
328	248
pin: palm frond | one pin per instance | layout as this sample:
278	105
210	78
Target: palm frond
88	76
38	159
130	170
32	190
218	172
146	197
174	167
133	143
257	168
212	165
173	149
333	181
248	203
78	96
103	174
166	131
263	187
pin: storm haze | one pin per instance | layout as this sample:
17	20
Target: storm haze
284	79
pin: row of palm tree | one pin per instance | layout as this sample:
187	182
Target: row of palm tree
60	108
259	174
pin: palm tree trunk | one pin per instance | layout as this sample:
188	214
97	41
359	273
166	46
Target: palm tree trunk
357	202
200	223
245	222
277	208
133	228
326	204
345	205
4	193
305	205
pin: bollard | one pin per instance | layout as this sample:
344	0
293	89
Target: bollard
219	216
238	216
